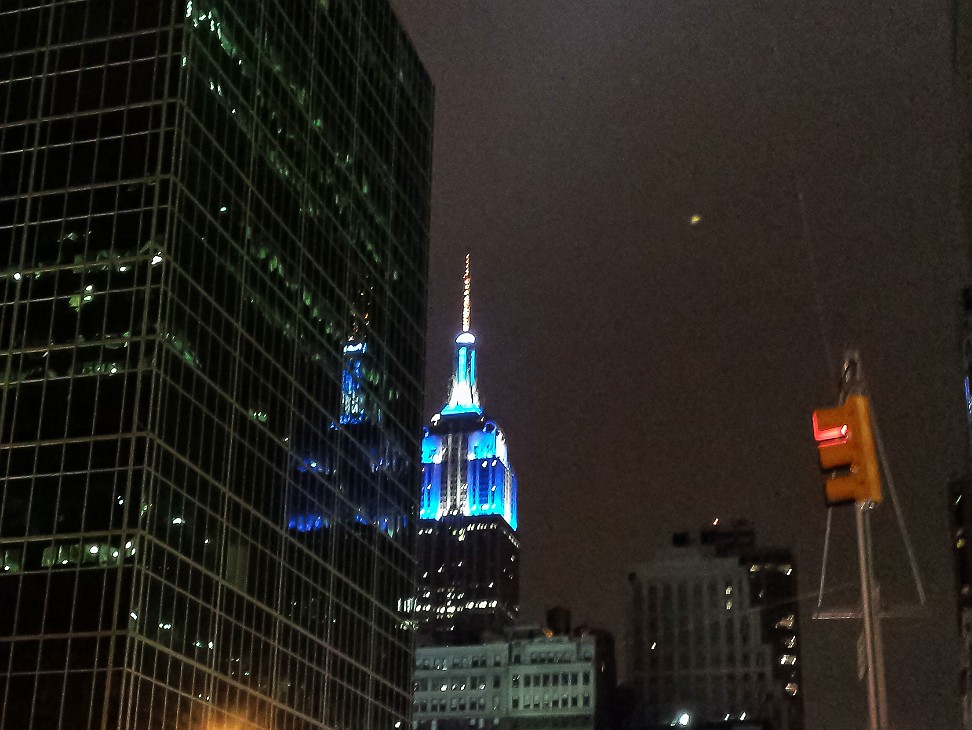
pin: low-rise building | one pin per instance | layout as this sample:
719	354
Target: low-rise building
530	680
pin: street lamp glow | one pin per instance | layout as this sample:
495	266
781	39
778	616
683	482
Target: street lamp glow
683	720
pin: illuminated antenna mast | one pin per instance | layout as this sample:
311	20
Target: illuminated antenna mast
464	396
466	285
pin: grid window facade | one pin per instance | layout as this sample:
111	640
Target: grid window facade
716	635
523	683
210	212
469	576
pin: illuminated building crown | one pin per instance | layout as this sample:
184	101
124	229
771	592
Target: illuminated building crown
466	469
463	394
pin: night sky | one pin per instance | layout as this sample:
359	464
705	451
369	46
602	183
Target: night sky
652	375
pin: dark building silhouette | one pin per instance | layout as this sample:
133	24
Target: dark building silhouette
468	552
715	633
607	714
213	250
558	620
960	492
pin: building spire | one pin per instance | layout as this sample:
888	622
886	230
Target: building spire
463	394
466	302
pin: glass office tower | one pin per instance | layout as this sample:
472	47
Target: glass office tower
213	250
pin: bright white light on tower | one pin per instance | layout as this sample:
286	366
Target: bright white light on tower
683	720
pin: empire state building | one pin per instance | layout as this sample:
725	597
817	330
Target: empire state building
468	552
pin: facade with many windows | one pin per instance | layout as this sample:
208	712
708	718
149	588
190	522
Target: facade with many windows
213	250
714	629
535	681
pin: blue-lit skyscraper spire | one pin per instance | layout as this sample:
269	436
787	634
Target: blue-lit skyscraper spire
468	550
463	395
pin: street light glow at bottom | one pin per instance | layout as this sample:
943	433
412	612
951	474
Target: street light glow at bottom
683	720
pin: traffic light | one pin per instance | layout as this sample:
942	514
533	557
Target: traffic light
845	442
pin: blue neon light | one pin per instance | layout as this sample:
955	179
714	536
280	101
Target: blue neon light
352	397
315	522
431	447
308	523
479	463
472	477
454	410
482	445
464	396
513	517
356	405
430	499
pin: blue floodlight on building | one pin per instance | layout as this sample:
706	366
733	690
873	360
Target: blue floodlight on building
467	547
465	466
354	400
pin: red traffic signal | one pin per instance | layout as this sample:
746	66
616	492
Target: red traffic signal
845	442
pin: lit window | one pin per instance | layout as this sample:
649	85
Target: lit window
86	295
11	560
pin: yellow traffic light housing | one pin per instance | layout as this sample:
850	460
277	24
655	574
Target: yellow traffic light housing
845	442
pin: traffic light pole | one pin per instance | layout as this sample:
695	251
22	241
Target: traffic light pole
877	702
882	687
849	446
852	383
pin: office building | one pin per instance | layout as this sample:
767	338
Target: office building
468	552
213	250
532	679
960	492
715	634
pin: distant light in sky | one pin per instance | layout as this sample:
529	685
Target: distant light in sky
695	219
